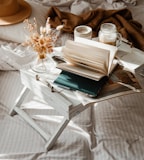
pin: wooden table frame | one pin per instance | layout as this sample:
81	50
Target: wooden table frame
69	107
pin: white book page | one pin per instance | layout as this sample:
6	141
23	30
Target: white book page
81	71
93	62
90	56
113	49
87	51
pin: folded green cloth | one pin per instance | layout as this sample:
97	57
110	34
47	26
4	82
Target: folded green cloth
75	82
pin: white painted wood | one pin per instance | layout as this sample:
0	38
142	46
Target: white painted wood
57	100
57	133
66	104
31	122
19	100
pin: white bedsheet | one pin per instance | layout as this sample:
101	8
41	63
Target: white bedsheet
19	141
111	130
119	128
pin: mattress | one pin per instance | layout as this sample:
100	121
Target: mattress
108	130
20	141
118	128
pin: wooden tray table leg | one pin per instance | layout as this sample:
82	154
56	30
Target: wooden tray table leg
58	132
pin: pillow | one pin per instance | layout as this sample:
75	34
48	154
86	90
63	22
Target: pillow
133	2
78	7
64	3
118	4
16	32
112	4
95	1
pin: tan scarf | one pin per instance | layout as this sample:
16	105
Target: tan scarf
129	28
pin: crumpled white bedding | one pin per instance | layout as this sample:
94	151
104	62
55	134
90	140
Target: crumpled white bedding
20	141
110	130
14	56
119	128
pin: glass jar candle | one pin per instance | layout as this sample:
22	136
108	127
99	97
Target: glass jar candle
83	31
108	34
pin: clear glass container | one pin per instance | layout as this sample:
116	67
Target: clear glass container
108	34
44	63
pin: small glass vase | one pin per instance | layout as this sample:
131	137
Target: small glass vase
44	63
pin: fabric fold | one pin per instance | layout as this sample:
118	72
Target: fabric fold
126	25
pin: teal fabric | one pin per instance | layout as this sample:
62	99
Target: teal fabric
75	82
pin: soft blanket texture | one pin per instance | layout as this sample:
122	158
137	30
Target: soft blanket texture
126	25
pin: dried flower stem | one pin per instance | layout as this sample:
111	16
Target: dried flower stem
43	41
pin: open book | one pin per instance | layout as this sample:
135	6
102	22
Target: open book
88	58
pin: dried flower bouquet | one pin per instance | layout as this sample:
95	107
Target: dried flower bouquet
42	40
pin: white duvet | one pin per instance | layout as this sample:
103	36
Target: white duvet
110	130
